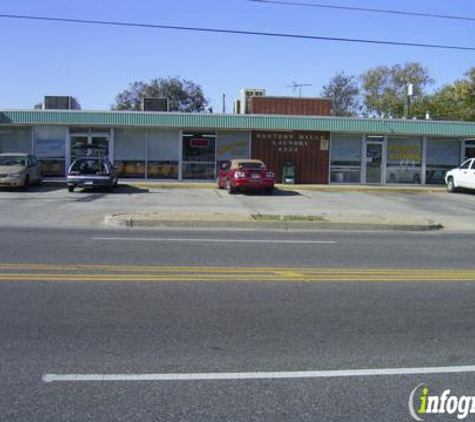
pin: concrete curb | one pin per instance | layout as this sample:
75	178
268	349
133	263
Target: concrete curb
123	221
281	187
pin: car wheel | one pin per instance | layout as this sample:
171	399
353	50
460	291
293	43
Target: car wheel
219	184
26	183
231	190
451	185
71	188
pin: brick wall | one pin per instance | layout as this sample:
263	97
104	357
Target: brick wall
307	150
290	106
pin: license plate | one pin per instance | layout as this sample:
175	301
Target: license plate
88	183
255	176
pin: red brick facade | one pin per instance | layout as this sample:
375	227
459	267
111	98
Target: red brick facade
290	106
308	151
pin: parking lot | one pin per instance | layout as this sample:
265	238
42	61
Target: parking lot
53	206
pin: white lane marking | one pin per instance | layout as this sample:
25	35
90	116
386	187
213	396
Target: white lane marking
217	376
204	240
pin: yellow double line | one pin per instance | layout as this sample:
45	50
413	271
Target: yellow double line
154	273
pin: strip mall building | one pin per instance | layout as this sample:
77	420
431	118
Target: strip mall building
278	130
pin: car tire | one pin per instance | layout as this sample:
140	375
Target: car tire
219	184
71	188
451	185
229	187
26	183
269	191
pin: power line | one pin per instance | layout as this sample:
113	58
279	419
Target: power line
236	32
366	9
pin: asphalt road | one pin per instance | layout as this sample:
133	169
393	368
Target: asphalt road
254	308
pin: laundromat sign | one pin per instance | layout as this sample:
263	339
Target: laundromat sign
288	141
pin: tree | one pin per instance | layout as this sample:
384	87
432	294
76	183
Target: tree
384	88
455	101
183	95
344	93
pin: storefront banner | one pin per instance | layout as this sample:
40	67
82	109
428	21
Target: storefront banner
232	146
404	151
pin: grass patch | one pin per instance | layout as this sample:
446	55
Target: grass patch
273	217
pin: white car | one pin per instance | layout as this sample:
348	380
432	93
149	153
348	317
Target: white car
461	177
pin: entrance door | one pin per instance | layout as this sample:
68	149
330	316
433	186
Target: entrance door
469	149
374	155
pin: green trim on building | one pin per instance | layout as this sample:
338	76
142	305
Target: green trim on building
236	122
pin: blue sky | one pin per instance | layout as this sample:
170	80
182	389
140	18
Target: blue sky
95	63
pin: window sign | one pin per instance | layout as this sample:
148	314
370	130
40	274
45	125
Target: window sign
199	143
232	145
50	148
404	158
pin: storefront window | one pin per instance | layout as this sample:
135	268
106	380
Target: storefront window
50	148
15	140
441	156
404	160
163	154
129	152
199	156
345	159
198	171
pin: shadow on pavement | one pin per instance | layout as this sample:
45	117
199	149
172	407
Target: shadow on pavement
119	190
277	192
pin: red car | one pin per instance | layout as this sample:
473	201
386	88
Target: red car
242	175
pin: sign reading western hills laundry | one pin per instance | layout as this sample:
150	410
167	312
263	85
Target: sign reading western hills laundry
307	151
288	142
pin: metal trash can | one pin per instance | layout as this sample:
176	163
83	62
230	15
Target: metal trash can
288	173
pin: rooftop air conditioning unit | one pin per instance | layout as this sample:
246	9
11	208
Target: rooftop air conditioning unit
155	104
247	93
55	102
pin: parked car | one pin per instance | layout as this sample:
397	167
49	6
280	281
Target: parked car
19	170
92	172
243	175
461	177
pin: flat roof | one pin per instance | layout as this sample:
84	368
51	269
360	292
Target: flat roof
235	122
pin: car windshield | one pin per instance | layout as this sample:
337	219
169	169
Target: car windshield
89	166
252	166
12	160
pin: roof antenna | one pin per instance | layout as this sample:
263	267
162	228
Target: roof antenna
296	86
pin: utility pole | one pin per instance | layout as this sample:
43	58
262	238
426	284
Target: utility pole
410	94
224	103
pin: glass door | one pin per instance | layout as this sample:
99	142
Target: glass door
199	156
82	145
373	159
469	147
101	144
78	146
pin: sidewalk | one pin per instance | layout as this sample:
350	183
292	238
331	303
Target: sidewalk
292	207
